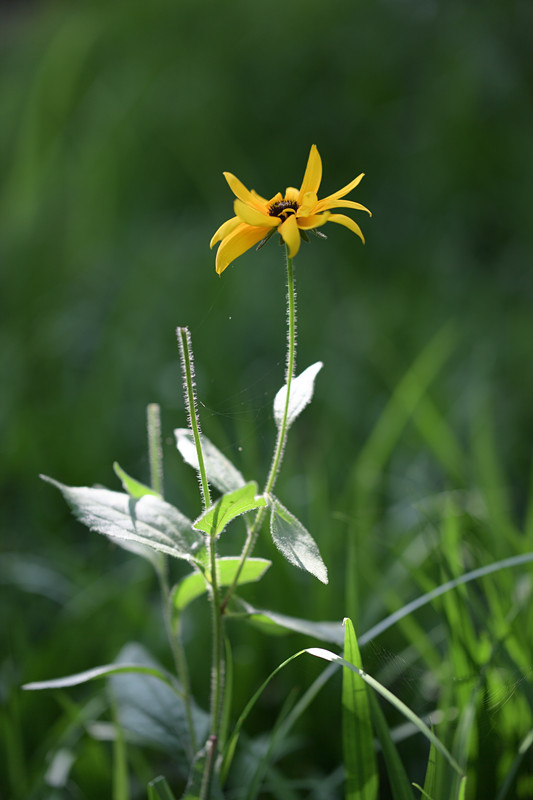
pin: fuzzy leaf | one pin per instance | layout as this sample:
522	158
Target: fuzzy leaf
148	521
194	585
137	490
302	389
295	542
277	624
216	518
220	471
154	714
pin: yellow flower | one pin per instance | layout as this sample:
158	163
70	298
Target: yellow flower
299	210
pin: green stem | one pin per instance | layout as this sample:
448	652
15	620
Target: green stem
289	374
187	365
281	441
155	452
217	622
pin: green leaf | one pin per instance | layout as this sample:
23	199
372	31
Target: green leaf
133	487
398	780
195	784
431	773
121	783
137	490
295	542
275	623
152	713
357	734
216	518
220	471
327	655
158	789
194	585
148	521
423	792
232	743
302	389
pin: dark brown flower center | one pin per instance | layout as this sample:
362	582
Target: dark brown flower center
283	209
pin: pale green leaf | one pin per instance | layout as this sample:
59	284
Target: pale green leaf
216	518
295	542
133	487
194	584
100	672
220	471
302	388
149	521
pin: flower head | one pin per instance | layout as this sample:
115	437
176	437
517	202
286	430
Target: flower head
299	210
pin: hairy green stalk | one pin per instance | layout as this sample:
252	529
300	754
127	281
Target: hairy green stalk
281	441
217	623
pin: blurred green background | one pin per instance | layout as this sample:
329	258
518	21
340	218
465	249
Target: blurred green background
117	122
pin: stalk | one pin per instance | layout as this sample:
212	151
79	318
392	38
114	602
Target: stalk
217	624
281	440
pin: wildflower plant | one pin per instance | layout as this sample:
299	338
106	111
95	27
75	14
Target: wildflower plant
151	702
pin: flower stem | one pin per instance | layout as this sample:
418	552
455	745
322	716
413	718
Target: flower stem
281	440
289	374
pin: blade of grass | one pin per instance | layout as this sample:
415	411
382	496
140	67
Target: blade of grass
368	469
398	780
362	780
392	619
327	655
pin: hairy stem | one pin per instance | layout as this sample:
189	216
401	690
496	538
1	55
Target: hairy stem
187	366
155	451
217	622
281	441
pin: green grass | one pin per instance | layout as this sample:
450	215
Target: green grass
412	466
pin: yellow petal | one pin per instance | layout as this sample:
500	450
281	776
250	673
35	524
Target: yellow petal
240	191
292	194
346	189
342	219
309	201
313	174
259	198
290	234
277	197
236	244
322	205
254	217
225	229
312	221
